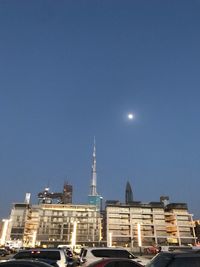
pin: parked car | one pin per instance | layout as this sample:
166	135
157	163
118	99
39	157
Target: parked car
24	263
115	262
190	258
89	255
3	252
56	255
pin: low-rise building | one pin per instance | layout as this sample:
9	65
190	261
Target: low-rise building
53	224
145	224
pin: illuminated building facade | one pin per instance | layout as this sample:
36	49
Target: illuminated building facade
53	224
49	225
18	218
159	224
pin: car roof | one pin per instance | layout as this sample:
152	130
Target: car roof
184	253
25	262
181	252
107	248
42	249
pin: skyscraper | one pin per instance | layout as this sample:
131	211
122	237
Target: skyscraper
93	187
93	197
128	194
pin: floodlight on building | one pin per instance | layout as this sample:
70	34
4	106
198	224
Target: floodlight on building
110	240
139	236
34	238
4	231
73	243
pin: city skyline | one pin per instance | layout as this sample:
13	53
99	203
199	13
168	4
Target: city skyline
126	72
35	200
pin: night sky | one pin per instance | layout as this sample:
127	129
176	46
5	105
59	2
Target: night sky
71	70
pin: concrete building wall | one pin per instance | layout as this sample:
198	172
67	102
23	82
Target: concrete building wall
53	224
18	219
157	225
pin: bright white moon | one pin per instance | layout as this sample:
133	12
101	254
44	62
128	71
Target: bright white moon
130	116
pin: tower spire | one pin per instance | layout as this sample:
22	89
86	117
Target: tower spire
93	187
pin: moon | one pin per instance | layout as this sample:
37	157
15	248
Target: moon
131	116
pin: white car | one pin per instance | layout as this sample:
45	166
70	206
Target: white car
57	255
91	254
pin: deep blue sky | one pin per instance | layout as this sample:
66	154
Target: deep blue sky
72	70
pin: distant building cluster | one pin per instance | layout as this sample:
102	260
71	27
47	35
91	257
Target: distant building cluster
55	220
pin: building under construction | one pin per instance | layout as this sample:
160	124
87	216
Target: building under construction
65	197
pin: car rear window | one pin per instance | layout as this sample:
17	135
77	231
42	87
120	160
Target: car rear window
52	255
111	253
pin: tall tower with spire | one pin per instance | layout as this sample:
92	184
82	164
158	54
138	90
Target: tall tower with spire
93	187
93	197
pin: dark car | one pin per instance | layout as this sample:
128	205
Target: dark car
190	258
3	252
115	262
24	263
